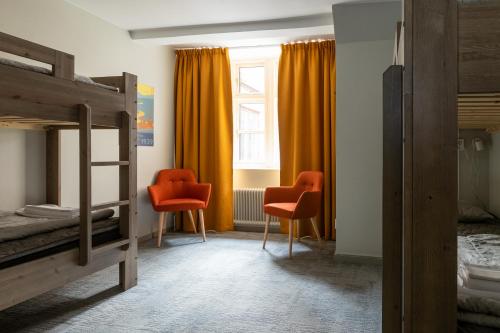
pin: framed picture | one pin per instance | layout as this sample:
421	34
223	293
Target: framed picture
145	115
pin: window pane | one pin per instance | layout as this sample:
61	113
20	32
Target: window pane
252	147
252	80
252	116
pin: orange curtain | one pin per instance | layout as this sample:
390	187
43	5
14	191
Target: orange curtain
204	127
306	116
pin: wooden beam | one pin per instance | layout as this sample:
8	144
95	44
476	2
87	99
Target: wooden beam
53	167
128	181
430	166
35	95
85	186
22	282
392	210
27	49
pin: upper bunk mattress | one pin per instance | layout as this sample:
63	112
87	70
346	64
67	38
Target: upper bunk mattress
42	70
22	236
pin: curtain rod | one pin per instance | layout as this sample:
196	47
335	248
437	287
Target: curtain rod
248	46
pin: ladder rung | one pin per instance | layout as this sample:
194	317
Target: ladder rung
109	205
108	163
111	245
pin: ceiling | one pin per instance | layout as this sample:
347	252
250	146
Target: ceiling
147	14
231	23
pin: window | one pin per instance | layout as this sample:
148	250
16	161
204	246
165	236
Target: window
256	143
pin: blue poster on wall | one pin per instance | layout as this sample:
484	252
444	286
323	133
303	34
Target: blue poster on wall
145	115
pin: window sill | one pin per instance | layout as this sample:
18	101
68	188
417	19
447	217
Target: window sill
240	167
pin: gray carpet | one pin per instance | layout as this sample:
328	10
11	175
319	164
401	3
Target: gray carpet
228	284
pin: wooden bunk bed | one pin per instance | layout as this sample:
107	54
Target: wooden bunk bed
446	76
55	101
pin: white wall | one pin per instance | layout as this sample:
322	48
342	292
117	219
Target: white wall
474	169
494	181
364	34
100	49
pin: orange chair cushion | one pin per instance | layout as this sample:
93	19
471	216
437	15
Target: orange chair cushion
172	205
177	190
300	201
281	209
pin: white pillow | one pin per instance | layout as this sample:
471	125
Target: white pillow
470	213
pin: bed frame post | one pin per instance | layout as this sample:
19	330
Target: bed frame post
53	167
128	181
85	185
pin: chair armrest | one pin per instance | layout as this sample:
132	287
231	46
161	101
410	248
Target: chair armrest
155	194
308	205
200	191
280	194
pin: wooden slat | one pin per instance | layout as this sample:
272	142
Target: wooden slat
85	186
121	243
31	127
110	204
110	163
478	110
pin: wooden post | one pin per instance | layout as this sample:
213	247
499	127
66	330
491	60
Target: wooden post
85	185
392	210
53	167
128	181
430	166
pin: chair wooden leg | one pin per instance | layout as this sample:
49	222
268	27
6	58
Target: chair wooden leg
315	227
190	214
298	230
290	237
202	224
165	224
160	227
266	230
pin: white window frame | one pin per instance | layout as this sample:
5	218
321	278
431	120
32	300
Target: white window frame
269	99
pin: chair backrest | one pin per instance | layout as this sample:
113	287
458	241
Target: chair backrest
173	181
309	181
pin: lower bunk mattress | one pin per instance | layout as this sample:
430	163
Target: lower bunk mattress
479	281
24	238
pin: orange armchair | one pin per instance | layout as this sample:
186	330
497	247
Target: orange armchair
300	201
177	190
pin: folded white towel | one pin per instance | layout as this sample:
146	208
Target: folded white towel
49	211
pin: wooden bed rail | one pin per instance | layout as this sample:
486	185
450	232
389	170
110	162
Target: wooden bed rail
63	64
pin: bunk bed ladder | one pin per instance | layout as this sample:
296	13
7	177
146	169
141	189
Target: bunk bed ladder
87	251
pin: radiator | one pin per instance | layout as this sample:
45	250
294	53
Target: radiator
248	207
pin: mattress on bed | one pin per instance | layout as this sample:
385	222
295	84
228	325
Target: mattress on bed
480	255
42	70
36	235
478	280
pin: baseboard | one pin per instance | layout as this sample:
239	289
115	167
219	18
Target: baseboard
358	259
273	228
